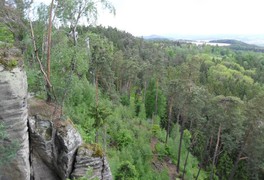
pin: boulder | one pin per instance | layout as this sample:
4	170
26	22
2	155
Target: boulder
56	148
88	161
52	148
42	149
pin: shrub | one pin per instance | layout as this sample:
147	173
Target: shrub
126	171
123	138
5	34
155	129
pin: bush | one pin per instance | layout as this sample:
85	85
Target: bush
5	34
162	150
126	171
155	129
123	138
125	100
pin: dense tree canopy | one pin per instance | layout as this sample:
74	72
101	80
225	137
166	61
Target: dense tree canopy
201	107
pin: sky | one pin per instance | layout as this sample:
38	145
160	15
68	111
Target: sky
185	17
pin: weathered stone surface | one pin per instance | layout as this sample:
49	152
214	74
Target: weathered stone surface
41	149
85	160
48	150
67	141
52	148
13	114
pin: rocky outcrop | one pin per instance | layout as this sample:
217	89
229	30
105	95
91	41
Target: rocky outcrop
41	149
13	114
48	148
86	159
52	148
56	152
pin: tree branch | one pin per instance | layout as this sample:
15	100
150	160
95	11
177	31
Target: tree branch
37	55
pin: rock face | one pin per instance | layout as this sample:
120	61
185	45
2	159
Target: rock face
56	152
98	165
52	149
13	114
48	148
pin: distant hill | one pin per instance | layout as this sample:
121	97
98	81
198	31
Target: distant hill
155	37
239	45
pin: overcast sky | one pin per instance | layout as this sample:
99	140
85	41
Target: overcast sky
189	17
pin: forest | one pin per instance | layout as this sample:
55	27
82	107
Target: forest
158	109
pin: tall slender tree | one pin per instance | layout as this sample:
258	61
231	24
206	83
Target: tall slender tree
48	52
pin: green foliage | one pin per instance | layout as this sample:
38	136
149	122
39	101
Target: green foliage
121	126
80	99
142	111
187	135
72	12
86	132
227	112
125	100
96	148
5	34
225	165
150	102
123	138
162	150
9	64
99	113
227	81
155	129
242	172
126	171
206	86
88	175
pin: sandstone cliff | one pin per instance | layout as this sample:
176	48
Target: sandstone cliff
13	114
48	148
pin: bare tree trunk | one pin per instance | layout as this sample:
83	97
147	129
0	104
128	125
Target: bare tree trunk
48	52
129	89
169	121
156	100
37	55
211	142
177	124
180	145
185	164
104	139
233	171
96	90
205	151
120	85
216	151
200	167
145	89
97	103
191	145
74	35
96	136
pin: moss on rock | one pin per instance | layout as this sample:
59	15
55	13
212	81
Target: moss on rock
96	149
10	57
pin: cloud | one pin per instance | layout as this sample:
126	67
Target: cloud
144	17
